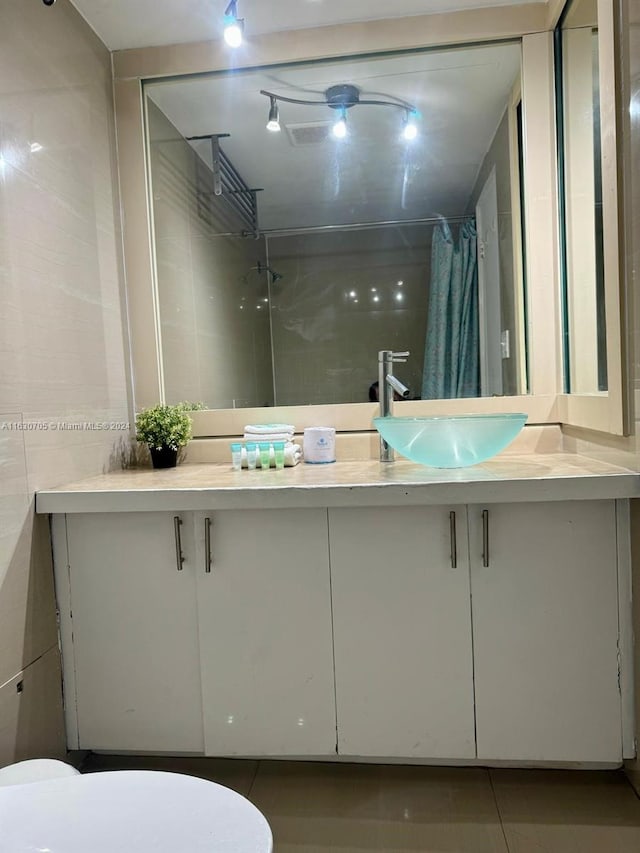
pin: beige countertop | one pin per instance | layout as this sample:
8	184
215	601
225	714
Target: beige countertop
528	477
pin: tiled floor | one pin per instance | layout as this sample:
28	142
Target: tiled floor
355	808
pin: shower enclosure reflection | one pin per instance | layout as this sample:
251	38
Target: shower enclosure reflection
284	259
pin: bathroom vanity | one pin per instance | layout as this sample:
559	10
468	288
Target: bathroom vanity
349	611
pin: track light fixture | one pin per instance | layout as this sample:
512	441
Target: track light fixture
274	116
341	98
233	25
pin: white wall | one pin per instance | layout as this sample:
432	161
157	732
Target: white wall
216	340
498	156
62	355
632	103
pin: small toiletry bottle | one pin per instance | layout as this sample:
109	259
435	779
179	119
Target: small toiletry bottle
236	456
265	454
252	454
278	452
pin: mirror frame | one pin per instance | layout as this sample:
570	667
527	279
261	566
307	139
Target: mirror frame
531	23
609	412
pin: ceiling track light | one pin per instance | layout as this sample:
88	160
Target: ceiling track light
274	116
339	128
343	97
233	25
410	129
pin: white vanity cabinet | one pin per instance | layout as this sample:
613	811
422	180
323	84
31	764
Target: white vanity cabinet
523	625
402	632
545	631
227	650
135	658
264	623
478	632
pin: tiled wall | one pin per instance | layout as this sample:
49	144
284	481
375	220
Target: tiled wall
62	354
344	296
214	318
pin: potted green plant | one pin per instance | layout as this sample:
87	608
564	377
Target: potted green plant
164	429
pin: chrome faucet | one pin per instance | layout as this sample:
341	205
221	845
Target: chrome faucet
387	384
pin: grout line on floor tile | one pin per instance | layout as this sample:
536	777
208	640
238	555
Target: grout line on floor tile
635	790
495	799
255	774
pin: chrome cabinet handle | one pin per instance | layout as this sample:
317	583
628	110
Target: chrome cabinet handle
177	521
454	543
207	545
485	537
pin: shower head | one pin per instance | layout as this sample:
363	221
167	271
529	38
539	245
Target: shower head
275	276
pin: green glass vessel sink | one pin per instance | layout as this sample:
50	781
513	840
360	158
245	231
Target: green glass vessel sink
450	442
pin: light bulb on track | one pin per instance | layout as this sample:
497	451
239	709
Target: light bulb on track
233	25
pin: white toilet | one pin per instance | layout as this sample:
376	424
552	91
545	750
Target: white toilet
48	806
35	770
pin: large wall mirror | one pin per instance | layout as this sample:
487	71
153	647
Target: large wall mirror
286	258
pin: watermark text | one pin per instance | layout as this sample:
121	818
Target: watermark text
64	426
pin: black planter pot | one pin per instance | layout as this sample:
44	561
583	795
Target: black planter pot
164	457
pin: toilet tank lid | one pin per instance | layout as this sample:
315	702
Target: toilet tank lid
129	811
35	770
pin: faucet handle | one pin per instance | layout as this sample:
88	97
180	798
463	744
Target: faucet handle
386	355
400	357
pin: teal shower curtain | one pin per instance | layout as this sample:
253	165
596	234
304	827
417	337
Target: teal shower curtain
451	355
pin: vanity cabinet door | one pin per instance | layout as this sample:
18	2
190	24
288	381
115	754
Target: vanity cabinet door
545	631
265	633
402	632
135	640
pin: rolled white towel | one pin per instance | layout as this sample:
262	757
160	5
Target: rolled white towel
272	436
292	455
269	429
